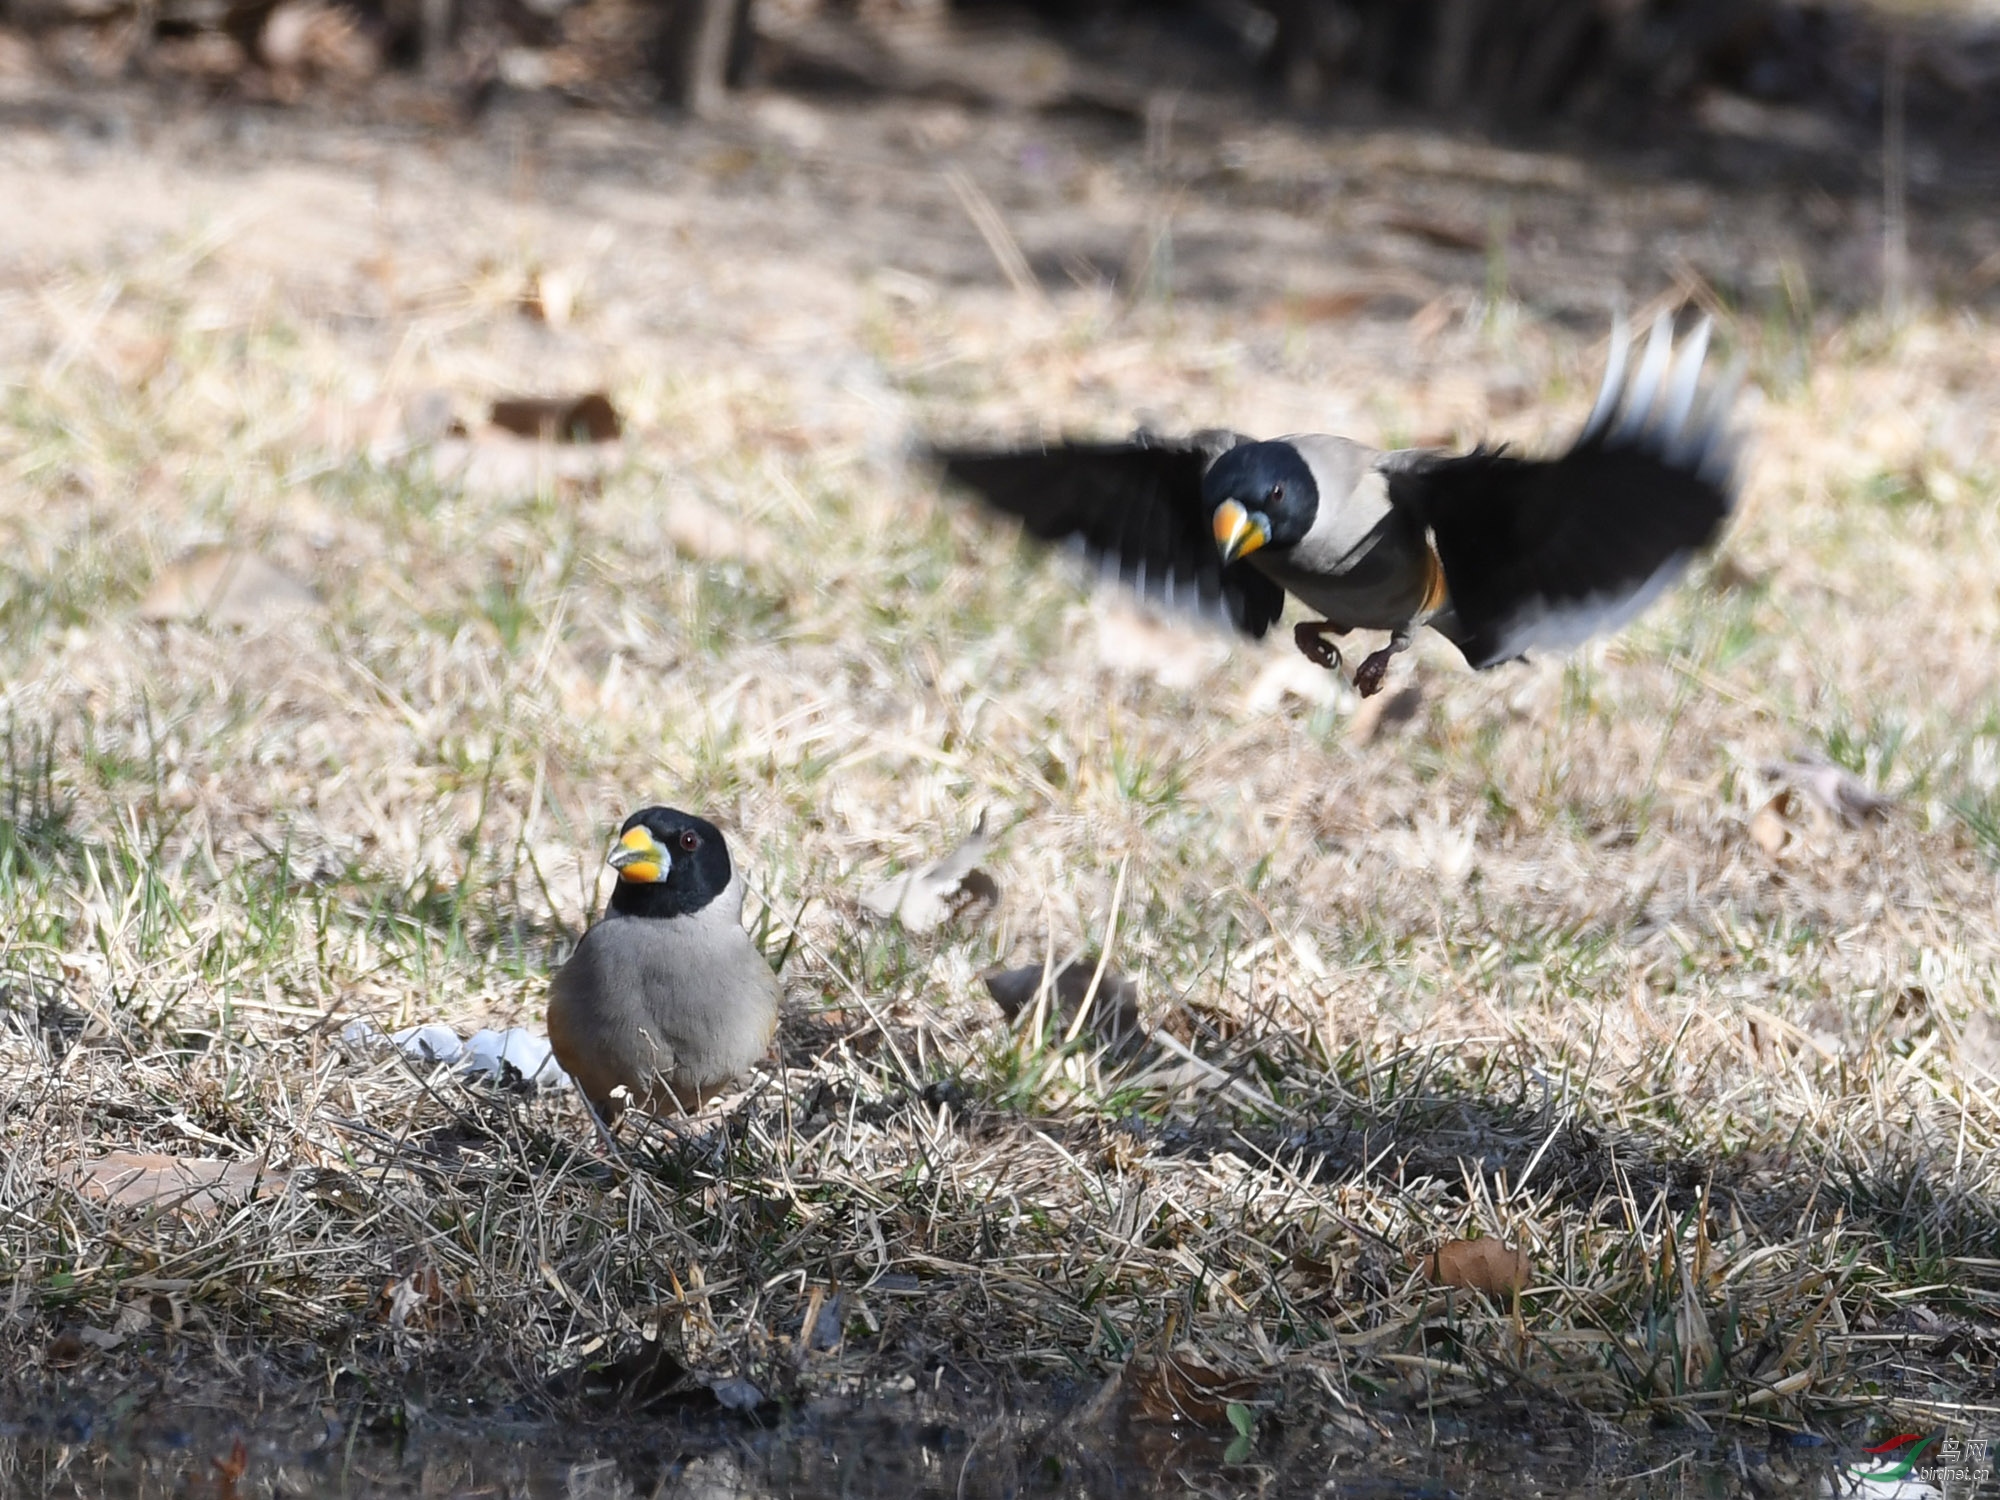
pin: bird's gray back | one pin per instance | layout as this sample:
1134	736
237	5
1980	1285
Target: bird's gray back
1364	562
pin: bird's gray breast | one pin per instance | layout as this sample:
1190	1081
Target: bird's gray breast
691	993
1363	562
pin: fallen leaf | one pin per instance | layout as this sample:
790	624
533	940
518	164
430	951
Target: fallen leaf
65	1349
559	419
1487	1266
1446	234
407	1299
1317	307
1177	1387
949	889
196	1185
1114	1011
1389	294
230	1467
1833	790
225	587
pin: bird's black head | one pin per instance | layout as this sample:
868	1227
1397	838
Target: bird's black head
669	864
1259	495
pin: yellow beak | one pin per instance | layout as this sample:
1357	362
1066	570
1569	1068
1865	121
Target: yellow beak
1237	532
637	858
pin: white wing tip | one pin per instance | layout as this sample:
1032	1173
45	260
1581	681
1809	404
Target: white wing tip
1653	404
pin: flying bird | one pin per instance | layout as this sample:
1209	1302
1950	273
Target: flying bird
1499	554
667	997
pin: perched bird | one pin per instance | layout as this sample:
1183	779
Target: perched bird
1499	554
667	995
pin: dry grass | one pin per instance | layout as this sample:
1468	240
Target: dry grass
1515	967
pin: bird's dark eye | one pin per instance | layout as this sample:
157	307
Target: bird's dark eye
1277	494
689	840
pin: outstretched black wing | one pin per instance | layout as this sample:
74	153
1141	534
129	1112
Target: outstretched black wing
1542	554
1135	509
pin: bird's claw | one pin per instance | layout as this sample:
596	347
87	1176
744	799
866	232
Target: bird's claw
1310	636
1368	677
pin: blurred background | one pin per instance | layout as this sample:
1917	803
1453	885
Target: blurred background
430	429
1785	74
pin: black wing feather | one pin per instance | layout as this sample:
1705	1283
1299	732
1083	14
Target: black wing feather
1135	507
1543	553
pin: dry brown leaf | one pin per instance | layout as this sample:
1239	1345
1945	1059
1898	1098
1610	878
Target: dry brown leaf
1177	1387
1446	234
191	1184
589	418
948	889
1317	307
1487	1266
1114	1011
1390	293
225	587
65	1349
